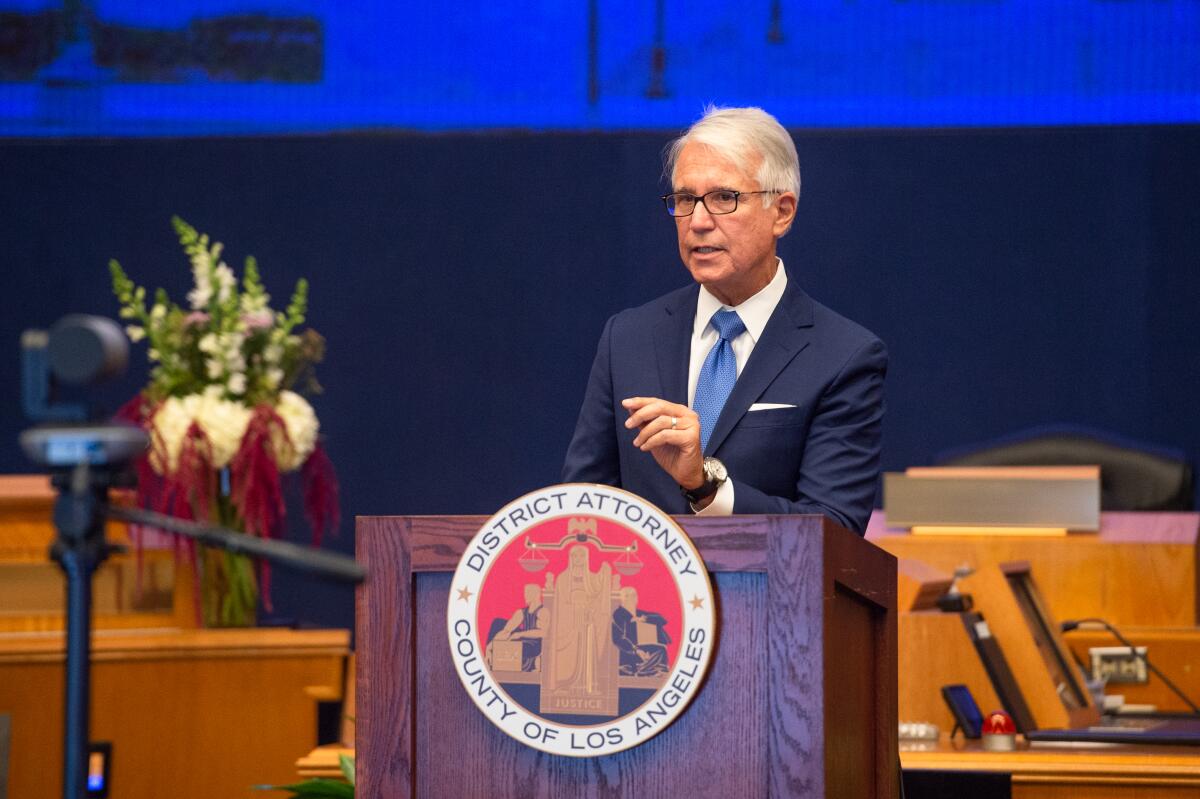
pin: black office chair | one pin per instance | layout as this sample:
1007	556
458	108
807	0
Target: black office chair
1133	475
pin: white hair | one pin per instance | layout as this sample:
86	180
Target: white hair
740	135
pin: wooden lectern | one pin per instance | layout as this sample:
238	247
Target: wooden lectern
800	698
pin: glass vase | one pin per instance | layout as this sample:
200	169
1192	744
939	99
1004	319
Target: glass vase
228	585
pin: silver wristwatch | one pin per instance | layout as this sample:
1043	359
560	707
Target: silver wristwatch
715	476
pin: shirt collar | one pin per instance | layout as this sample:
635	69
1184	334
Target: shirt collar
754	312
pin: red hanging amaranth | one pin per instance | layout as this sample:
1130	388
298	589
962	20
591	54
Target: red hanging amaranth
172	493
254	474
320	493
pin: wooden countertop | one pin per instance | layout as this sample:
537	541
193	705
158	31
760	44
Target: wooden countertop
323	762
149	644
1109	764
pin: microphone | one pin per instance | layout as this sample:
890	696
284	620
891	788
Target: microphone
1073	624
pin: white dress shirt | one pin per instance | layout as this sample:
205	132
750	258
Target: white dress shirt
755	313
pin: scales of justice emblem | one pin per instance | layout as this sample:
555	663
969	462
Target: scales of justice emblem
581	619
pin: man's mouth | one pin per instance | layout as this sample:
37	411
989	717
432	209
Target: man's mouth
706	250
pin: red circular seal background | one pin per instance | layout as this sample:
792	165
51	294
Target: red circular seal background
502	592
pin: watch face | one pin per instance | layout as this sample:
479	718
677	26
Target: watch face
715	470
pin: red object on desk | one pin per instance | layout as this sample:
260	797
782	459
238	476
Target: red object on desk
999	732
999	723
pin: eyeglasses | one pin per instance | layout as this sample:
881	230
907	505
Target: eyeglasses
716	202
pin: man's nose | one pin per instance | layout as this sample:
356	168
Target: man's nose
701	219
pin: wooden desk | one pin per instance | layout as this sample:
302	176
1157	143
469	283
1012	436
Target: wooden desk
1065	772
1140	569
324	761
32	595
190	713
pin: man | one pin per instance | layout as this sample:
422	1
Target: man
639	658
527	625
741	394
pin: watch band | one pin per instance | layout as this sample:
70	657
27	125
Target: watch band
714	476
703	491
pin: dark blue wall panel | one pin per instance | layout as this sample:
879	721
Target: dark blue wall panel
1018	277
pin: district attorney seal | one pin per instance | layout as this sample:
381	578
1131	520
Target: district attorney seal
581	620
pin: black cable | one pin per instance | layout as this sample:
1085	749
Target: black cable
1067	626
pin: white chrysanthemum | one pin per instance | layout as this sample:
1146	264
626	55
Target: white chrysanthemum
224	424
171	423
300	421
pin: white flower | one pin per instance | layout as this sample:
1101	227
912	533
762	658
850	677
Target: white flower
213	368
202	293
237	383
274	378
272	354
158	312
171	422
135	332
224	424
208	343
226	282
300	422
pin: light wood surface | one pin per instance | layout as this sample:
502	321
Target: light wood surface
919	585
1061	771
191	714
935	650
323	762
1043	693
32	586
1139	570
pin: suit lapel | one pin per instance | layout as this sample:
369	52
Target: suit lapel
673	343
786	334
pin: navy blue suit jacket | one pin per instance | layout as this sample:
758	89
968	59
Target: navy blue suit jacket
821	456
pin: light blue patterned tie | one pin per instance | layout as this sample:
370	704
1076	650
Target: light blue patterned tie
718	374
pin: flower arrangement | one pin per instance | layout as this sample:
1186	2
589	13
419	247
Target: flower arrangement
223	418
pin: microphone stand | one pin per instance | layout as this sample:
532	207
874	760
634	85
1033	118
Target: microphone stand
79	515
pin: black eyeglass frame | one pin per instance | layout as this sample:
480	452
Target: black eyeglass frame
700	199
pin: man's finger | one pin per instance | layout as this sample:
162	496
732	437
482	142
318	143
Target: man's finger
668	438
656	408
663	423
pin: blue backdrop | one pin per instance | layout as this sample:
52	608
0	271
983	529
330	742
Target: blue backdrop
128	67
1018	277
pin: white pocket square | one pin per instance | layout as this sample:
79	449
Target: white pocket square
769	406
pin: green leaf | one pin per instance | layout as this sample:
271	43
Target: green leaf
347	764
314	789
187	233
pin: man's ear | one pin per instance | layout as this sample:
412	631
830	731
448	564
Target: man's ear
785	209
